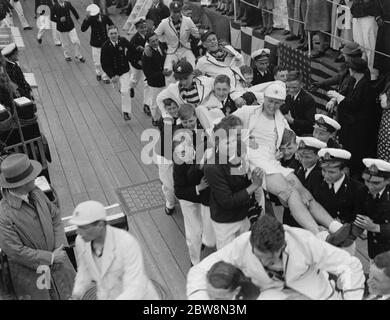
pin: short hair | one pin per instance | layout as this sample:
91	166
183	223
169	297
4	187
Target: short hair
279	68
289	136
382	261
112	27
267	234
295	75
222	78
168	101
149	34
246	69
186	111
227	123
223	275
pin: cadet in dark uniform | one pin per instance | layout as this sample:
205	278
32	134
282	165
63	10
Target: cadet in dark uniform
115	63
308	172
325	130
14	72
98	23
66	28
138	42
376	177
262	72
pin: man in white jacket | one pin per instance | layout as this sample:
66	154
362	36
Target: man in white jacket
175	31
108	256
276	257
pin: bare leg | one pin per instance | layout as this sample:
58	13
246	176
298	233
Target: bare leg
318	212
279	186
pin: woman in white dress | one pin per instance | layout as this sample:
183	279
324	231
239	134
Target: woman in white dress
264	126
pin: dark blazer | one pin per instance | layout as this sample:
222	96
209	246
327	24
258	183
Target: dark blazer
359	116
259	78
115	60
98	26
153	68
136	56
185	178
16	75
157	14
229	106
302	110
379	211
59	12
346	203
229	200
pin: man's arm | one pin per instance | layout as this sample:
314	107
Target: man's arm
336	261
75	13
16	251
165	94
134	281
83	279
85	25
105	61
193	29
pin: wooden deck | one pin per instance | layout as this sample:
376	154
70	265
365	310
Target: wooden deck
94	150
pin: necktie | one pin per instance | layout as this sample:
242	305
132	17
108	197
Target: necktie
332	190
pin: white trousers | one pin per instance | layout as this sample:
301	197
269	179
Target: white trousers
54	32
198	228
172	58
227	232
19	10
153	93
124	89
66	39
165	173
365	31
96	61
136	76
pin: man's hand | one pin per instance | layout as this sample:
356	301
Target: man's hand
203	184
380	22
330	105
257	177
87	14
289	118
252	143
148	51
59	255
63	19
240	102
167	72
115	79
197	73
366	223
140	48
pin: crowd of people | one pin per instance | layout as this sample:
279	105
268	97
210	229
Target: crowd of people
235	143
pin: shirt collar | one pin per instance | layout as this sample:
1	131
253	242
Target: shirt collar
308	170
114	43
381	192
296	96
338	183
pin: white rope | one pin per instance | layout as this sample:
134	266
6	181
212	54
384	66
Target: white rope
302	22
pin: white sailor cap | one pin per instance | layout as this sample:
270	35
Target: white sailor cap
139	20
9	49
260	54
332	155
275	91
310	143
326	122
93	9
377	167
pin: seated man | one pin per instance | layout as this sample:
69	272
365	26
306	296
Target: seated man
300	106
379	279
262	71
274	256
188	88
376	177
220	60
264	126
325	129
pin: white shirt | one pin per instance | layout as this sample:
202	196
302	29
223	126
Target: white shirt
308	170
337	184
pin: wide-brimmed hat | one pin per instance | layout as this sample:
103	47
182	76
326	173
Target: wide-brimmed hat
18	170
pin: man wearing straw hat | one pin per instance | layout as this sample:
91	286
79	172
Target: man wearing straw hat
98	23
32	234
108	256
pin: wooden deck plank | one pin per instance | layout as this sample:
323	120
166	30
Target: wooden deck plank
162	254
